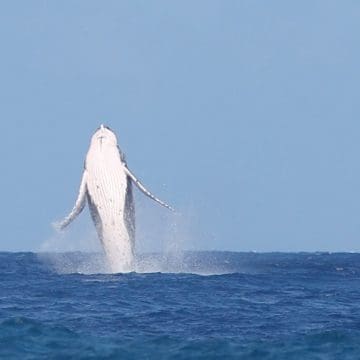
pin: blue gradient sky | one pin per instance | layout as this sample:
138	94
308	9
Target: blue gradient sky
244	115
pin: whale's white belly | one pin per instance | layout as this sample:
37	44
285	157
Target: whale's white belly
106	187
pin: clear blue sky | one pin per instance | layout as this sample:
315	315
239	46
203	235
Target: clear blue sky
244	115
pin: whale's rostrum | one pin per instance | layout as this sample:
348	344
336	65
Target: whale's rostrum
107	187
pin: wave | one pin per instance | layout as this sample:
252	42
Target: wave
24	336
95	263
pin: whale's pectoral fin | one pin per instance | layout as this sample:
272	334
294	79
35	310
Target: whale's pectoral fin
144	190
79	205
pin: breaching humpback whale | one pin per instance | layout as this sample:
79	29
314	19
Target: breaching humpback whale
106	184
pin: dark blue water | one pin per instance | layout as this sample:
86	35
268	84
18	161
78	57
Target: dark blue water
248	306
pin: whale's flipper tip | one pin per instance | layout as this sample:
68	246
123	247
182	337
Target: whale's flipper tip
170	208
142	188
57	226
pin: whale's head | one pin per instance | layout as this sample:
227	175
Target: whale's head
104	137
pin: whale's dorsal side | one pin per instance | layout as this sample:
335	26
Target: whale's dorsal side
142	188
79	204
129	211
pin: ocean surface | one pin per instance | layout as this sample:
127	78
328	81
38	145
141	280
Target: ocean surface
194	305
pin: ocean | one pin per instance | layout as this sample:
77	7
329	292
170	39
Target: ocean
195	305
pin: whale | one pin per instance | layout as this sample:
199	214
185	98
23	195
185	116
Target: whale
107	187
